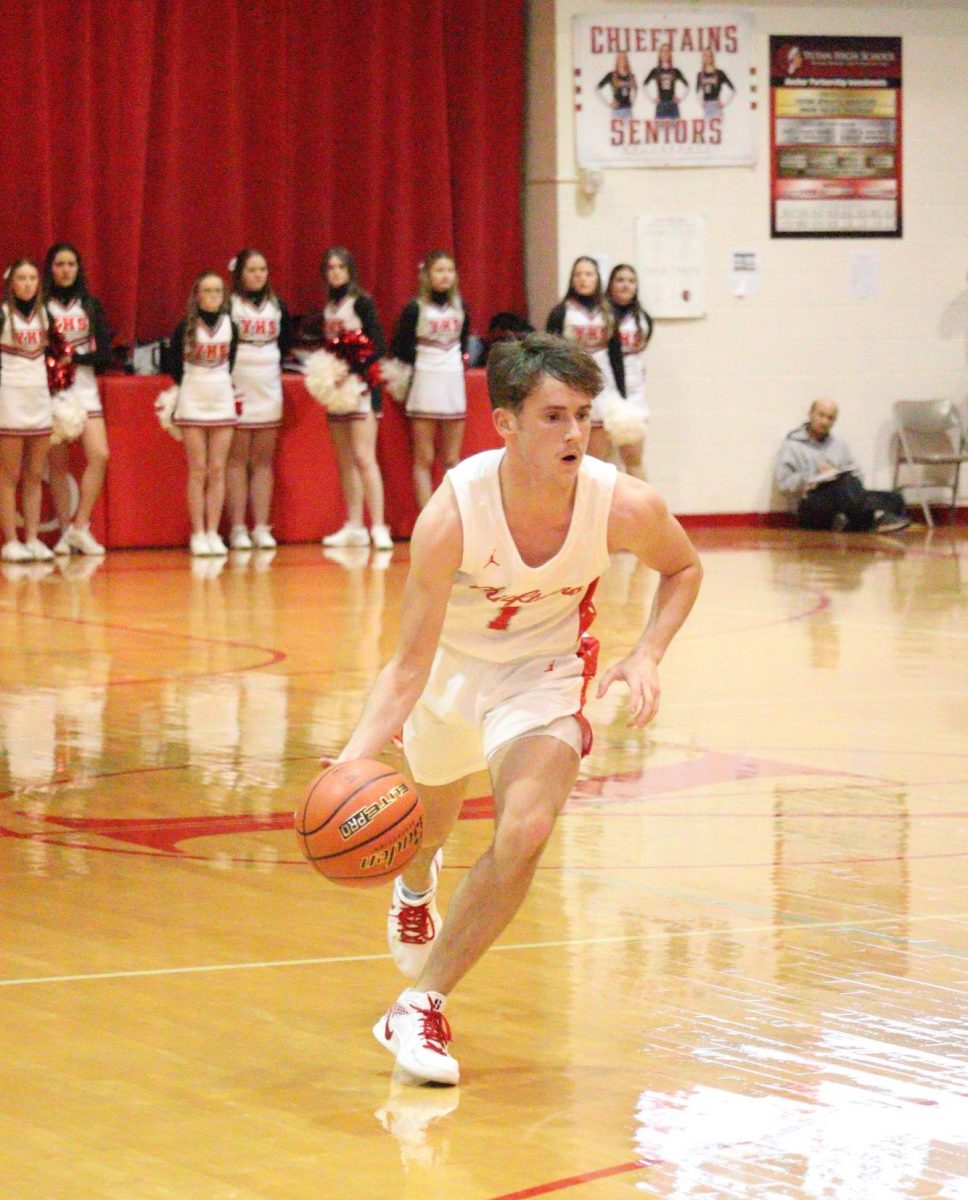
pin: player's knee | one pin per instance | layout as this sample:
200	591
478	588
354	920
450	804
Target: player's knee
523	837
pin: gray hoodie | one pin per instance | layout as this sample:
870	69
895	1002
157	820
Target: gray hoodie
802	458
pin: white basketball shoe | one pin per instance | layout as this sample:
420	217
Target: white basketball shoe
412	927
416	1031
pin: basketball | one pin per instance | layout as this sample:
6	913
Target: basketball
360	823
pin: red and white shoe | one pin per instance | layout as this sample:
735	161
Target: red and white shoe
416	1031
411	928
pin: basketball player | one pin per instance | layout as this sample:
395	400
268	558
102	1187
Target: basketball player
25	410
709	86
666	77
493	661
432	335
586	317
265	334
201	359
348	310
623	87
80	320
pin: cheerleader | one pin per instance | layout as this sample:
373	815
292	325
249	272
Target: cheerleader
348	309
585	317
431	335
265	334
80	320
25	410
202	355
634	330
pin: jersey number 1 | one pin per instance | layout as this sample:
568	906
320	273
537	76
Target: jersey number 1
503	618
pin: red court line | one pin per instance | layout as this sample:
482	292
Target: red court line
274	656
559	1185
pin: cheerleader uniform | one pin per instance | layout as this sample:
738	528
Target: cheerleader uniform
634	336
206	396
584	322
25	405
347	312
81	322
433	337
265	334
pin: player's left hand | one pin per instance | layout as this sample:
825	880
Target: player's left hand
641	674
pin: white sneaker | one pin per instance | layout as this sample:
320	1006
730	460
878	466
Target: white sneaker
198	545
82	540
63	546
380	537
262	538
349	535
239	538
15	552
39	551
411	928
415	1030
215	544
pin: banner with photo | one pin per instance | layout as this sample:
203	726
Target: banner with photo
835	136
659	87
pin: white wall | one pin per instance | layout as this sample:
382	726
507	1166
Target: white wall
726	388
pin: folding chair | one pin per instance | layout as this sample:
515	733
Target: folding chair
930	433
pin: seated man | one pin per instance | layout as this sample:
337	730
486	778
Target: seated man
818	473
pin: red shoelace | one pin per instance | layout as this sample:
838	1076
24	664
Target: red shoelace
434	1030
415	924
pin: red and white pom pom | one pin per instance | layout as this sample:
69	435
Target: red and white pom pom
396	377
331	384
164	408
624	424
69	417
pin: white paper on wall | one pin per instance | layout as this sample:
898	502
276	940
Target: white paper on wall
671	263
865	274
744	278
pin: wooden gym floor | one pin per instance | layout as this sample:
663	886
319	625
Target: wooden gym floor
741	971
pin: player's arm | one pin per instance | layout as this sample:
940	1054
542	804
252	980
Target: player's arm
641	523
436	547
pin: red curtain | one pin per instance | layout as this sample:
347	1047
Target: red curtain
161	136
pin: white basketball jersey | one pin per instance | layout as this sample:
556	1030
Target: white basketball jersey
211	350
439	327
22	348
259	326
502	610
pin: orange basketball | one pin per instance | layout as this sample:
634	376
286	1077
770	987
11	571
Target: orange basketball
360	823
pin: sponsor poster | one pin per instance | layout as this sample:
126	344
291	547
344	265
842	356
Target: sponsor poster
835	136
659	87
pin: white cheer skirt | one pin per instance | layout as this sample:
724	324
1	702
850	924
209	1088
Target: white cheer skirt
439	395
25	411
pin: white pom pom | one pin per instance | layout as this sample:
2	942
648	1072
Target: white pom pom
164	407
70	417
396	377
324	373
624	424
346	398
330	383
